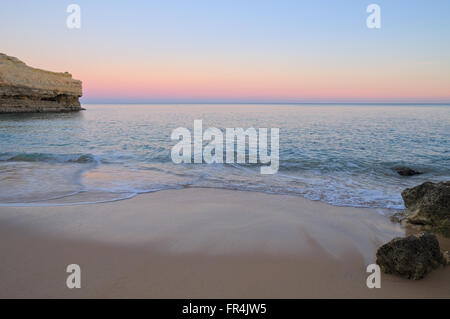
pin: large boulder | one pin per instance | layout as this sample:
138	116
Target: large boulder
412	257
428	205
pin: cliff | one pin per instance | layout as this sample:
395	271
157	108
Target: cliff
24	89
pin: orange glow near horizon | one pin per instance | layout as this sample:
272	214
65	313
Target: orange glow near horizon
224	82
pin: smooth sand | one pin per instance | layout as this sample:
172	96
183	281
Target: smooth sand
201	243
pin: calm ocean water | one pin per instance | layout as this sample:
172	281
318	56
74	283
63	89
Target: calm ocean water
339	154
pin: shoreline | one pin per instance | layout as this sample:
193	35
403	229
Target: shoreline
48	202
202	243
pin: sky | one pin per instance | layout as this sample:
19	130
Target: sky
205	51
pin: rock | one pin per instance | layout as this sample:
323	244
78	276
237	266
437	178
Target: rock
406	171
24	89
428	205
412	257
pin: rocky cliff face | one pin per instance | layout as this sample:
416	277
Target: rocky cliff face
24	89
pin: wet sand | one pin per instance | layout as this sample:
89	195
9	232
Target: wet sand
201	243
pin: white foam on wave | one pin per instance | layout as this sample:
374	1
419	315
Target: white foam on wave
73	183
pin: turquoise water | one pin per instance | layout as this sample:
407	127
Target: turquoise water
339	154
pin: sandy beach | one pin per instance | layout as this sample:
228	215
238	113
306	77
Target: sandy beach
202	243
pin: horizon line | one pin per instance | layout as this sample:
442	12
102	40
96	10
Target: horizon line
270	103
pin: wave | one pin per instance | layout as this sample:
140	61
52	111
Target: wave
108	179
49	158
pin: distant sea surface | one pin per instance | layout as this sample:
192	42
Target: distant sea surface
339	154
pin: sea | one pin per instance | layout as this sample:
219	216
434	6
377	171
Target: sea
341	154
